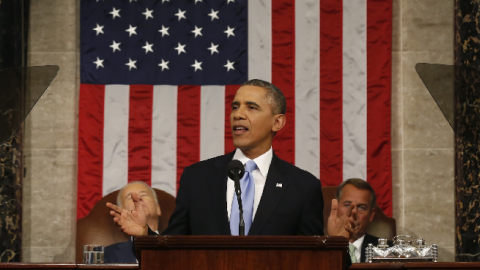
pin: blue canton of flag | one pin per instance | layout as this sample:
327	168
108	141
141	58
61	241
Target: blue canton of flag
164	42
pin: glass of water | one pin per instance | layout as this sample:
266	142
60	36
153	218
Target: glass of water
92	254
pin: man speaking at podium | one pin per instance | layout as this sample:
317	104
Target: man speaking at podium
278	198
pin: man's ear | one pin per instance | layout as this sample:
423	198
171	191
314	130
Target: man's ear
159	211
372	214
279	122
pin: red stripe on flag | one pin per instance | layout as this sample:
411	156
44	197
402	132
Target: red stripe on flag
230	91
90	147
140	134
283	72
188	127
331	136
379	53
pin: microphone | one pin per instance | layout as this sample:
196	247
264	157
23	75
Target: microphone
236	170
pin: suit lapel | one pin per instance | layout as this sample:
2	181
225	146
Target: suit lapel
217	181
271	195
130	256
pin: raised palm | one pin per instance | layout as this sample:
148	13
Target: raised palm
132	222
342	226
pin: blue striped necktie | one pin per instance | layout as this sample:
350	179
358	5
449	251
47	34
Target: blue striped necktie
247	185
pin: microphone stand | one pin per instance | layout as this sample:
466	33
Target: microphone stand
238	191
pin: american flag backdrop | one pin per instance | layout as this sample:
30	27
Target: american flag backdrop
158	77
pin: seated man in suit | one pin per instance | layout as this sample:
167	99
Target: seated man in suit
278	197
147	199
360	192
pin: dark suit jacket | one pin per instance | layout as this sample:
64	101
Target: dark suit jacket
120	253
296	208
370	239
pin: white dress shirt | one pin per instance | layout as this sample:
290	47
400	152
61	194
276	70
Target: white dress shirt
259	174
358	247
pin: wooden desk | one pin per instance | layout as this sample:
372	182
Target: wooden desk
67	266
377	266
171	252
417	266
365	266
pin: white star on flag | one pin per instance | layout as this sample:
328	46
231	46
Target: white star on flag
180	48
164	64
228	1
165	1
115	12
213	48
148	48
181	14
99	29
197	31
213	14
197	65
115	46
131	31
229	65
99	63
229	31
198	1
131	64
148	14
164	31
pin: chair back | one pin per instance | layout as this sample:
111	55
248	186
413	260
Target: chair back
98	226
381	226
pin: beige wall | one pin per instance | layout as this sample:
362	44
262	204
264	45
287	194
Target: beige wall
422	141
49	188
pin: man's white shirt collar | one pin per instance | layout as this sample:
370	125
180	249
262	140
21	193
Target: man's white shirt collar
260	177
263	161
358	247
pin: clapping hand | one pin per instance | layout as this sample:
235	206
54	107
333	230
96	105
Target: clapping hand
132	222
345	225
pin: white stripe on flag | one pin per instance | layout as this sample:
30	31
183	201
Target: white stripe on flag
164	138
212	121
260	40
115	138
307	85
354	89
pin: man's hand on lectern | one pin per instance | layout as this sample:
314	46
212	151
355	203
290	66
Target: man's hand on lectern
132	222
345	225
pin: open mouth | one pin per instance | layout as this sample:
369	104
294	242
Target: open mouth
238	130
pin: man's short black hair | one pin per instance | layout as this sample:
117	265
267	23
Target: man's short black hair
275	95
360	184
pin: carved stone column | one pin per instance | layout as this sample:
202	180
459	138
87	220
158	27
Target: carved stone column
11	200
13	23
467	130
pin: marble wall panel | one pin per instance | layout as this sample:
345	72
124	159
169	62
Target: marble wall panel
55	26
50	137
427	25
422	140
46	254
424	125
53	119
50	193
397	189
429	195
397	105
396	26
446	254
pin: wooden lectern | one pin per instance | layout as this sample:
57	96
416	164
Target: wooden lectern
241	252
